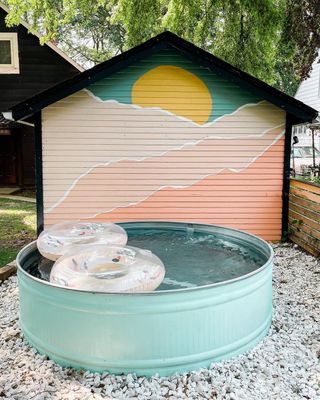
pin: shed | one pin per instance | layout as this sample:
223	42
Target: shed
165	131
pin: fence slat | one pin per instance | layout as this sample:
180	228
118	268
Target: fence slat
305	220
312	241
304	215
304	194
303	227
310	187
311	205
304	211
305	246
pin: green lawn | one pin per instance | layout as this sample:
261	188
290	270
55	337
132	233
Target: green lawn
17	227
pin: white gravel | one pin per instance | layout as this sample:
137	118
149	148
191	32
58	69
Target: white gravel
284	366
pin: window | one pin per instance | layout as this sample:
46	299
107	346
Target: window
9	57
304	152
296	153
307	152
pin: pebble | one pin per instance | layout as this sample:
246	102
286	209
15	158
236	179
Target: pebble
285	365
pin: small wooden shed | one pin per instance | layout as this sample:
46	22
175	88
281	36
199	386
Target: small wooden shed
165	131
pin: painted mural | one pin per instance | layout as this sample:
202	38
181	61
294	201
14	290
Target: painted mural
165	139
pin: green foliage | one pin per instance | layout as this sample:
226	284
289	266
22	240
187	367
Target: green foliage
297	222
242	32
312	179
94	38
274	40
299	43
140	18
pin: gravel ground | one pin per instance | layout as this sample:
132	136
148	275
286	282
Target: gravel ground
284	366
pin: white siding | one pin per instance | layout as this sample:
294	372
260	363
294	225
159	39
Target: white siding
309	90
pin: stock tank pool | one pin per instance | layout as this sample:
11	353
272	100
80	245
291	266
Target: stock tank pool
214	303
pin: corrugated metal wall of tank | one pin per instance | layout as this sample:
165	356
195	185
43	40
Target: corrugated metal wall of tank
165	139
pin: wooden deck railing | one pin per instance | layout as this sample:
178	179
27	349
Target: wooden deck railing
304	215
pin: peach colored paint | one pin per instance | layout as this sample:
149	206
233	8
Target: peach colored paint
80	133
226	198
133	181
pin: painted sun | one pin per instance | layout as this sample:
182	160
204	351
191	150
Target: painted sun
176	90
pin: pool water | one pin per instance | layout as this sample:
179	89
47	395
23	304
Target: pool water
191	258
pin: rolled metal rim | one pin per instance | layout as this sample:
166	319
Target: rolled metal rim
256	242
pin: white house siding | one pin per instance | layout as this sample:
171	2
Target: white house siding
309	90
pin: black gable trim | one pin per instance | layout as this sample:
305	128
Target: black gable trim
34	104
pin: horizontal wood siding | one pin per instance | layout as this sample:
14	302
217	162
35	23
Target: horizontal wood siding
107	158
304	215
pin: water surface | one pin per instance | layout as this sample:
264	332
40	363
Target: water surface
191	258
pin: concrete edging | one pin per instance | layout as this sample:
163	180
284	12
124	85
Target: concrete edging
20	198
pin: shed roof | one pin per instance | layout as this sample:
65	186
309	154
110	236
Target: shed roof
301	111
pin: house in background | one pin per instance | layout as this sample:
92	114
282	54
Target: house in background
309	93
26	68
165	131
309	89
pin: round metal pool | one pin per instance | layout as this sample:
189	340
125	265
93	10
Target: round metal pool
215	303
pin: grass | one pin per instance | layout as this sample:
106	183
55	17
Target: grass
17	227
31	192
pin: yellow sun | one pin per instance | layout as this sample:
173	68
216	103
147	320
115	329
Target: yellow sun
176	90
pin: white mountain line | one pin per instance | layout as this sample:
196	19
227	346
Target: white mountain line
166	112
189	185
192	142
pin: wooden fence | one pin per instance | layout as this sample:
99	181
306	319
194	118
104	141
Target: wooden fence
304	215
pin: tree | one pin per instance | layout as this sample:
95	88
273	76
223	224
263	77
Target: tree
242	32
274	40
90	40
299	43
86	31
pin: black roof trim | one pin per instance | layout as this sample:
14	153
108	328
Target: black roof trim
164	40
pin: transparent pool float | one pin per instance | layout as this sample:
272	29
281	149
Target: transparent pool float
100	268
58	239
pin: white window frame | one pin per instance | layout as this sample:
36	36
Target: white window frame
12	68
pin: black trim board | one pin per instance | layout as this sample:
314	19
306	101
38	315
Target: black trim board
38	165
301	111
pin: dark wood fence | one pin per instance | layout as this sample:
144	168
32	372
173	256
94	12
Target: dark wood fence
304	215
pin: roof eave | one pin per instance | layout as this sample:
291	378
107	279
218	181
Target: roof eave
301	111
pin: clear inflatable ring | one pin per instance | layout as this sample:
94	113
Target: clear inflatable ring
71	236
100	268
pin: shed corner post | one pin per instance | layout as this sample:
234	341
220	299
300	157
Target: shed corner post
286	177
38	168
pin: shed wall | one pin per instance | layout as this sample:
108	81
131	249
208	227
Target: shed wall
165	139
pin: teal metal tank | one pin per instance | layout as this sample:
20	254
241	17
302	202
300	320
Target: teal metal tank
194	318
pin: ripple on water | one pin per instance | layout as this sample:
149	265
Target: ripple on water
191	258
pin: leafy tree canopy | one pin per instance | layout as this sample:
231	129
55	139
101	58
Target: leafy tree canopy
274	40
